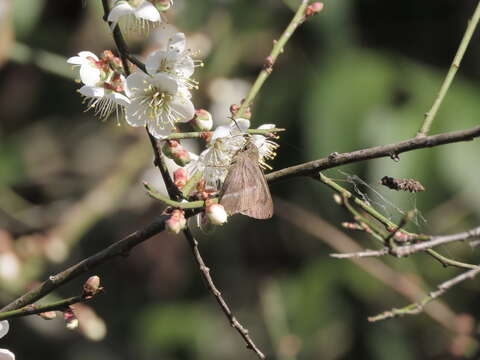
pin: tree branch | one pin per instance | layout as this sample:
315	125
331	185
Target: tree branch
117	249
391	150
418	307
205	271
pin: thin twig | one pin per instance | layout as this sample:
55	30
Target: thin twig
122	47
59	305
205	271
118	249
430	115
314	225
161	164
445	261
418	307
361	254
391	150
435	241
207	134
277	49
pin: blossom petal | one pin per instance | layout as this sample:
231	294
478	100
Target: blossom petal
220	132
81	58
148	12
122	9
92	91
89	74
266	126
135	114
6	355
153	61
119	99
240	124
160	130
136	82
4	327
183	108
165	83
177	42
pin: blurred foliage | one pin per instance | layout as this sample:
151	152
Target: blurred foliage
360	74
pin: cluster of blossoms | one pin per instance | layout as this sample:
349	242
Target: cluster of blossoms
158	97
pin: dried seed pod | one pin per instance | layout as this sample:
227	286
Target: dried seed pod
411	185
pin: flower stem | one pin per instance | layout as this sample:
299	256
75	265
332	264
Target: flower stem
277	49
430	115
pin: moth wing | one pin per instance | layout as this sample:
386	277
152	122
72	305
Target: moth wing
233	186
259	204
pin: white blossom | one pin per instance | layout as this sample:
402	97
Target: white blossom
4	353
157	102
103	88
226	141
139	15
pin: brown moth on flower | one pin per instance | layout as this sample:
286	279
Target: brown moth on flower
245	189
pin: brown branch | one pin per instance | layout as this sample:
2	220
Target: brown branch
27	310
205	271
391	150
361	254
435	241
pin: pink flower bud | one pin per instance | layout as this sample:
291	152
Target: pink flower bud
216	214
202	121
170	147
313	9
180	177
70	319
91	286
181	157
48	315
177	222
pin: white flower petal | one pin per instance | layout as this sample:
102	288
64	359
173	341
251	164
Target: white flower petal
148	12
186	67
165	83
160	132
119	99
221	132
82	58
6	355
92	91
122	9
89	74
241	123
183	108
266	126
4	327
152	63
134	114
136	82
177	42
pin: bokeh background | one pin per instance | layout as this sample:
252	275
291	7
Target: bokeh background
362	73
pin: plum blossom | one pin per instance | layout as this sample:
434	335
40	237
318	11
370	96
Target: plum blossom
175	60
226	141
157	102
4	353
139	15
103	88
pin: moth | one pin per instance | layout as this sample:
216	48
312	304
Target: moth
245	190
411	185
